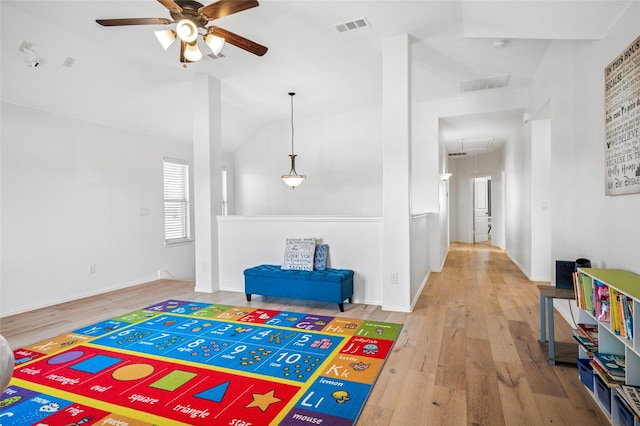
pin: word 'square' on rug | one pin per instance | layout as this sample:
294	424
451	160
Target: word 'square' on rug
188	363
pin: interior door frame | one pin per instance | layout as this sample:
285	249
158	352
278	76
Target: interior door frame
474	180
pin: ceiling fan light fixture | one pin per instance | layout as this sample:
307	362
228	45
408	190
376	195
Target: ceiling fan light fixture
165	37
215	43
192	53
187	30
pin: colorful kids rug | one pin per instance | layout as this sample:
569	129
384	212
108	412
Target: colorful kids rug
187	363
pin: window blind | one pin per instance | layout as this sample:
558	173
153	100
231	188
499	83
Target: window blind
177	222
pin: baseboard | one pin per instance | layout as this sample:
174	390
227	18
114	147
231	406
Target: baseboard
515	262
396	308
54	302
444	260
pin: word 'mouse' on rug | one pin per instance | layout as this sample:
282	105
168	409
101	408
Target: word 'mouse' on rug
191	363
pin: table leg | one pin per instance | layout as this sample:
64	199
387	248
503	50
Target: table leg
552	349
543	326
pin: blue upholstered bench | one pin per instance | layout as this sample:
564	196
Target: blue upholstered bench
329	285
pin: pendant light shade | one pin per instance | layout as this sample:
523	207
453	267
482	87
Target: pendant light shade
187	30
215	43
293	179
192	53
166	37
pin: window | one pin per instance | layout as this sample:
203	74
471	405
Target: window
177	222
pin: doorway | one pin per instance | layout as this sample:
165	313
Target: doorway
482	209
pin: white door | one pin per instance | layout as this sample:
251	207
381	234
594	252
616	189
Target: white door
481	210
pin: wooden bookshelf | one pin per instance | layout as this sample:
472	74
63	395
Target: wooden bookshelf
613	339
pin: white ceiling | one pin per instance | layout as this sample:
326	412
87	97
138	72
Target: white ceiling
123	78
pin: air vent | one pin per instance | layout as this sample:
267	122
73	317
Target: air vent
218	56
476	144
353	25
485	83
457	154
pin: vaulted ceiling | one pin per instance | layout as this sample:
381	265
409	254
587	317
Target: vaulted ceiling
121	76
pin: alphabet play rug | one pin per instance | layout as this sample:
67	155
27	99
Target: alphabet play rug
188	363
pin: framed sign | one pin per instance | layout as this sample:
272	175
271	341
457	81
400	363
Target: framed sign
622	122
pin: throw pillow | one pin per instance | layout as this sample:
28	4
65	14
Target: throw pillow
322	253
298	254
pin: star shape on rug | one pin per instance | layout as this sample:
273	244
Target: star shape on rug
263	401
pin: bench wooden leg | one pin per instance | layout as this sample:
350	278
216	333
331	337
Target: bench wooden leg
351	299
341	305
248	298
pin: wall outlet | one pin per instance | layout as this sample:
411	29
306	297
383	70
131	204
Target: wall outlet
394	278
92	268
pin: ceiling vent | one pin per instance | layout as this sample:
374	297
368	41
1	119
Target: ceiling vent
476	144
485	83
353	25
457	154
218	56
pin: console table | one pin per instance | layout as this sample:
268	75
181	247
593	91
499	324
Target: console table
547	294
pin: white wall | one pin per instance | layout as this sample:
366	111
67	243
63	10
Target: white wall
420	254
585	222
517	201
541	264
354	243
340	153
72	194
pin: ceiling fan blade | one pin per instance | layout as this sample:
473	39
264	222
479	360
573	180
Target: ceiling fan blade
223	8
133	21
171	5
239	41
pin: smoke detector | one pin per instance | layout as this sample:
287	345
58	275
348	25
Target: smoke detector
32	58
499	44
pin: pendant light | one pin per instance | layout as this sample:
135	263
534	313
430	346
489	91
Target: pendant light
293	179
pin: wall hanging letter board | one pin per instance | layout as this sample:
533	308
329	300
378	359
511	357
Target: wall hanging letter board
622	122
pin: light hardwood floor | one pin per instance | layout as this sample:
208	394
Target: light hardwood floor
468	354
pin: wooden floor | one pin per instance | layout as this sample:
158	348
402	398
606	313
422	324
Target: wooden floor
468	354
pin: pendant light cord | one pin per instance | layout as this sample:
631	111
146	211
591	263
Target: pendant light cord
292	128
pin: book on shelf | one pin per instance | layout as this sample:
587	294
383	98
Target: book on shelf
621	316
587	337
586	344
583	290
606	378
601	296
589	331
614	311
614	365
631	395
609	380
629	317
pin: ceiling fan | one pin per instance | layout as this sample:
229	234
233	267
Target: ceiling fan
190	17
